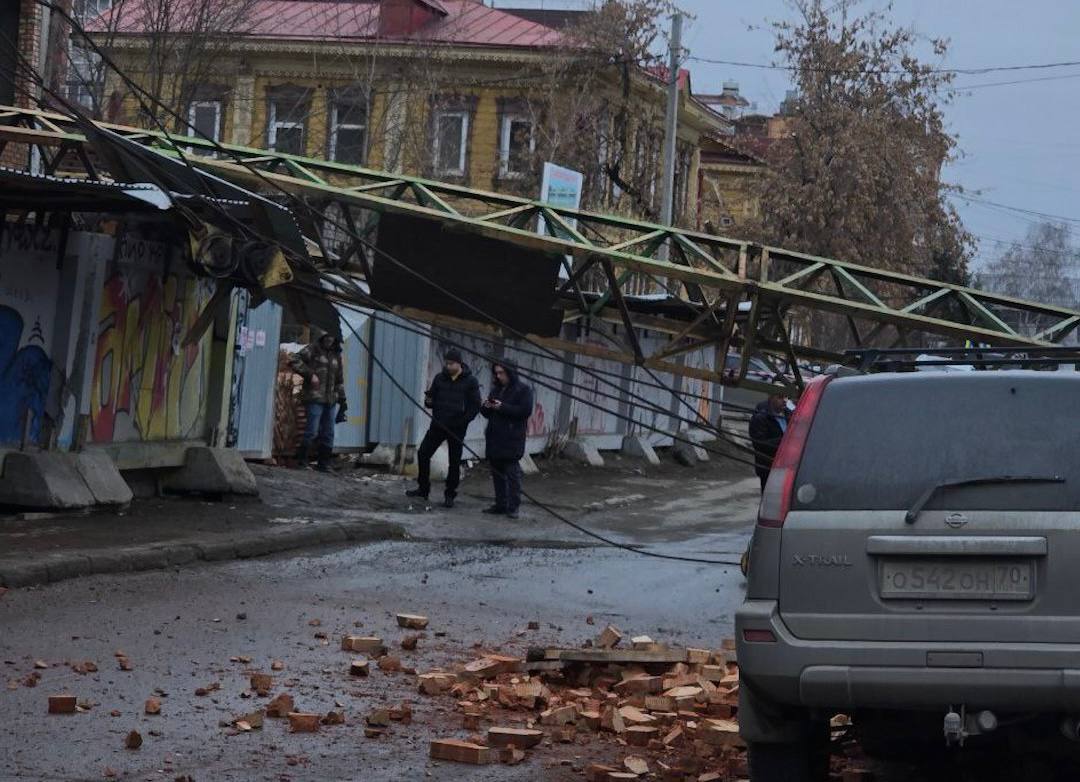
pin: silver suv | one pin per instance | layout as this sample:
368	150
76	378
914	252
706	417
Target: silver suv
916	566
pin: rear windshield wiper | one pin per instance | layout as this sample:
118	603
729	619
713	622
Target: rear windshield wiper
913	512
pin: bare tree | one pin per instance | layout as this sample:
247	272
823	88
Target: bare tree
599	106
171	48
1044	267
859	178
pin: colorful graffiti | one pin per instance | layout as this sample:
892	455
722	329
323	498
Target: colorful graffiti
146	385
25	373
29	280
537	427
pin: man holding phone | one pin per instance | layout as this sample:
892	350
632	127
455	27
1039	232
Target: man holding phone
507	410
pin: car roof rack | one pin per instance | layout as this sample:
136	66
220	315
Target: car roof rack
910	359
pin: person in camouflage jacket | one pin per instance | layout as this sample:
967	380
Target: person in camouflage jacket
320	365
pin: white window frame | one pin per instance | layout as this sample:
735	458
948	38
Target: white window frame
274	124
504	144
202	104
335	126
463	155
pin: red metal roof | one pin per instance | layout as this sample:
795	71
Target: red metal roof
465	22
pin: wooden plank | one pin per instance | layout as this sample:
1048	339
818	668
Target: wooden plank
672	655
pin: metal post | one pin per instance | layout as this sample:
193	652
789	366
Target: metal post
672	129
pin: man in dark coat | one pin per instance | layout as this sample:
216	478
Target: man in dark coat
767	427
507	410
321	367
454	400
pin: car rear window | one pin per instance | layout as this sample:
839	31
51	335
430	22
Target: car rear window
879	442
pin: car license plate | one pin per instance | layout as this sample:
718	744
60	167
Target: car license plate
957	578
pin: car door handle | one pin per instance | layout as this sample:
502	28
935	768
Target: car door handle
957	545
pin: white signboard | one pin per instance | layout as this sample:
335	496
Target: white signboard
561	187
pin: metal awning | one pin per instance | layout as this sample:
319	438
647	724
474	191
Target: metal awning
24	190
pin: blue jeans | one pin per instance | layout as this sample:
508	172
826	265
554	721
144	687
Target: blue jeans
320	423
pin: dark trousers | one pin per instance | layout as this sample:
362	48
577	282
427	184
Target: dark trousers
436	435
506	474
763	476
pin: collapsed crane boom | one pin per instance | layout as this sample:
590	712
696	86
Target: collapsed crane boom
718	292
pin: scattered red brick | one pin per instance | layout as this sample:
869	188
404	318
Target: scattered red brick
62	704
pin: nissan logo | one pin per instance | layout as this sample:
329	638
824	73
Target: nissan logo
956	520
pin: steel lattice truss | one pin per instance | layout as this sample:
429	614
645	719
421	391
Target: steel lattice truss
720	293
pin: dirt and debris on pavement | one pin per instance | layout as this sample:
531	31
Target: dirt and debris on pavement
611	709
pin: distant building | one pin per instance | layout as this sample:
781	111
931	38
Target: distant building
731	165
729	103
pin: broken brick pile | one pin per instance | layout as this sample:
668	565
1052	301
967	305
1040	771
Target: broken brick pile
670	712
648	710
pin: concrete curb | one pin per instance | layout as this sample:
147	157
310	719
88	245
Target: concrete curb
50	568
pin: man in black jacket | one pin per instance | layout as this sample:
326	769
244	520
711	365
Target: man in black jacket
507	410
454	399
767	427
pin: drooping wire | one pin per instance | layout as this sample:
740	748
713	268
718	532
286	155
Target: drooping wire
367	347
533	374
137	91
367	243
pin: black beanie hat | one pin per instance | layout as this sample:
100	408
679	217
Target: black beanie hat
453	354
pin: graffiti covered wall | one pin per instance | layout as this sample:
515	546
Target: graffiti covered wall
146	385
29	281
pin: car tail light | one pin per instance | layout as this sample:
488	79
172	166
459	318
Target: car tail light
759	636
776	499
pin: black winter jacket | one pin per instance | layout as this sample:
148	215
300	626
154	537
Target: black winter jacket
454	403
765	432
508	425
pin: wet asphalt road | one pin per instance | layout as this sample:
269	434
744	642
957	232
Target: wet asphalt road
179	629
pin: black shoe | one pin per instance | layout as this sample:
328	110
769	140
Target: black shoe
416	493
303	456
494	510
448	502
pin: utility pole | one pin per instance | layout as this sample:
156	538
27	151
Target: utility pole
672	124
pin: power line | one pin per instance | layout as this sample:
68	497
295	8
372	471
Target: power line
382	367
1017	209
983	85
887	71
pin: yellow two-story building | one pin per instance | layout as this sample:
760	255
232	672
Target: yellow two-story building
450	89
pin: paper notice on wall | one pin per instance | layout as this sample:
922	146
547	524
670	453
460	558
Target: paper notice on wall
260	338
241	340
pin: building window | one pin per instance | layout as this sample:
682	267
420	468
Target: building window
517	143
348	130
85	74
451	142
204	119
285	125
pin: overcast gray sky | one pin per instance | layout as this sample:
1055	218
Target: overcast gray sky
1019	144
